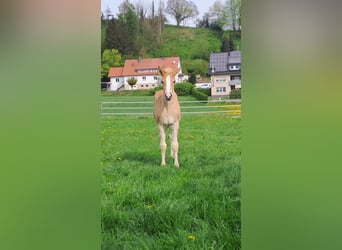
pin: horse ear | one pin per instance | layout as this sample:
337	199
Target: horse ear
160	70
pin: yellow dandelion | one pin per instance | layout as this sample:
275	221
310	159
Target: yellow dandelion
119	159
149	206
191	237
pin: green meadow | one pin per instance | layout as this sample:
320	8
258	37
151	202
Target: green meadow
146	206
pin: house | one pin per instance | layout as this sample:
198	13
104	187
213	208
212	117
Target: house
145	71
225	72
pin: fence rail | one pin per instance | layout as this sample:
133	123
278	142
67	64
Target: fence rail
187	107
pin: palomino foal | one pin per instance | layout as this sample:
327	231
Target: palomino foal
167	114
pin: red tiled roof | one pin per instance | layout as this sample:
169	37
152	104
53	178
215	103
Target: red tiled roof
141	67
117	71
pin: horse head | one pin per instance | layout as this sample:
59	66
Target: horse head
168	81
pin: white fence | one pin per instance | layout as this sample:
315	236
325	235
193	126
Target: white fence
232	107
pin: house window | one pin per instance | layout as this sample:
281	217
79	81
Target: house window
142	85
220	80
234	67
117	79
155	78
235	77
220	89
146	86
144	78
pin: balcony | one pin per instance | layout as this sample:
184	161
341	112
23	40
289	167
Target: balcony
235	82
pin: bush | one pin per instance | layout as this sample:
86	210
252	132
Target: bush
199	95
235	94
151	92
183	89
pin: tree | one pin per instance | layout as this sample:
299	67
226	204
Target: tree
232	10
129	21
225	43
204	22
216	15
132	81
108	13
109	58
231	43
113	40
181	10
109	38
192	78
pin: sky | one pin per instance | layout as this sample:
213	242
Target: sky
202	6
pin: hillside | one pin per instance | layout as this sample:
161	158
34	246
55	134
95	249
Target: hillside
188	43
192	45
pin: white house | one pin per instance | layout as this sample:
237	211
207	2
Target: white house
145	71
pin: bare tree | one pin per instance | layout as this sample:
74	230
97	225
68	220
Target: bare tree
215	14
108	13
181	10
233	14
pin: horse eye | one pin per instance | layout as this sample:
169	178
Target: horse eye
174	81
162	82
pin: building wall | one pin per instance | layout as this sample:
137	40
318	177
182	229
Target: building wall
144	82
220	85
114	85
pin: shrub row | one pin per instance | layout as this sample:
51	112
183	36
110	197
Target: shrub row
199	95
206	91
183	89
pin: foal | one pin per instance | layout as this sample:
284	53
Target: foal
167	114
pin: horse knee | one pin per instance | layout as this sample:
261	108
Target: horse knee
174	147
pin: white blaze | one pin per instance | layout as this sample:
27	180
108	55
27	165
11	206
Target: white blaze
168	86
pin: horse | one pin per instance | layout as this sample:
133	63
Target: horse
167	114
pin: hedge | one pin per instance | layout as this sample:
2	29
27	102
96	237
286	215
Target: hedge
183	89
199	95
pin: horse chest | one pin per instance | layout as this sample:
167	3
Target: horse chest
167	117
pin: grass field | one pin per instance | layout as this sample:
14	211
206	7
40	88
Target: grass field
146	206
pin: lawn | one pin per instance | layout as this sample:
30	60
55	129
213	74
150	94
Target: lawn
146	206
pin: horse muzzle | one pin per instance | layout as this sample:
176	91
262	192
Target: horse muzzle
168	96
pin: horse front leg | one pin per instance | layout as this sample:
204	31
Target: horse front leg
162	143
174	143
